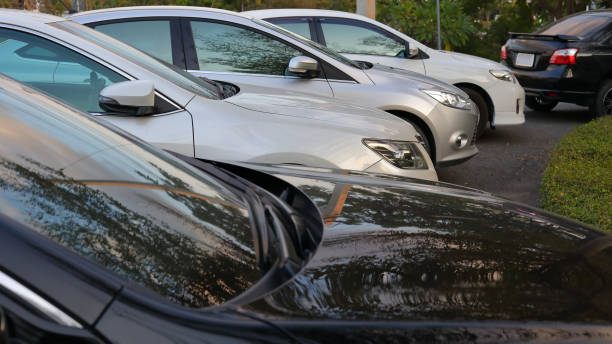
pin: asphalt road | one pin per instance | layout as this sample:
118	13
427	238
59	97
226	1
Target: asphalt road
512	159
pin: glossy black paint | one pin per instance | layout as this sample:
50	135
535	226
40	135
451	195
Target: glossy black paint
399	260
567	83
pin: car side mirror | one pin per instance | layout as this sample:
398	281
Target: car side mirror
411	52
304	66
136	97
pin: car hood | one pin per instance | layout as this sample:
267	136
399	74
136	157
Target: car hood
304	105
413	252
471	60
381	73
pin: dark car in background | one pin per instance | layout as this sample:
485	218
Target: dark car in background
569	61
106	239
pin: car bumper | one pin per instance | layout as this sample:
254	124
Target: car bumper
383	166
557	82
447	125
508	103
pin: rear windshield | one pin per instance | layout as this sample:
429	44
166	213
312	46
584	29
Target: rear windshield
581	26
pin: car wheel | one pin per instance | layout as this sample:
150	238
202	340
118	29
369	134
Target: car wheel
482	107
603	100
540	104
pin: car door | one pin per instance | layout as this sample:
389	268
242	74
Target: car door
69	75
363	41
234	53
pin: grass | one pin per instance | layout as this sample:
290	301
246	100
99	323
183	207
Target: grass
577	182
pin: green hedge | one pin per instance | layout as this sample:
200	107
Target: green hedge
578	180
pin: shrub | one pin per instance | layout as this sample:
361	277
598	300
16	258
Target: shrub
577	182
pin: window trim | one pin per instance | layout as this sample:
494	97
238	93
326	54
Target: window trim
94	58
191	54
314	34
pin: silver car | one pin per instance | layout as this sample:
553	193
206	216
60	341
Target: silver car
179	112
233	47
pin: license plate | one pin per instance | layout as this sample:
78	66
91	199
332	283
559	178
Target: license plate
524	60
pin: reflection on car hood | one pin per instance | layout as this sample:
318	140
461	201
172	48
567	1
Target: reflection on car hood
378	71
424	252
306	105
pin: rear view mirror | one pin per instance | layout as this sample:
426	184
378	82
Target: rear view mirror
135	97
304	66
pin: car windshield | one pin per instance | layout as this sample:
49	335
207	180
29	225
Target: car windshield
323	49
122	204
183	79
581	26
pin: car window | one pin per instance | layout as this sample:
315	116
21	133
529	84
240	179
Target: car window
300	26
118	202
54	69
359	38
228	48
580	25
158	41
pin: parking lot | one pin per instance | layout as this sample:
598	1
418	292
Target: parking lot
512	159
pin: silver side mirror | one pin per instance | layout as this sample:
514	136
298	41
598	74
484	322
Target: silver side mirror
413	52
304	66
136	97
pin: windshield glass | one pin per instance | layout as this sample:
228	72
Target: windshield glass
581	26
180	78
325	50
122	204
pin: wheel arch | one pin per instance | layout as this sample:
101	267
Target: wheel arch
484	94
408	116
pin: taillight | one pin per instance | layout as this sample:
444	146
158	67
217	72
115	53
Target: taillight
503	54
564	56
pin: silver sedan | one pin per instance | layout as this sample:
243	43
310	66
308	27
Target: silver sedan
233	47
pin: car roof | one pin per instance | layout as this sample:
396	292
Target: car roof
26	18
160	8
299	12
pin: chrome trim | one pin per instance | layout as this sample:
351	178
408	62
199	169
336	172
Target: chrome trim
206	73
37	302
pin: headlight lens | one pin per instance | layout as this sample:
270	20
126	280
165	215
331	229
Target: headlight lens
450	99
504	75
402	154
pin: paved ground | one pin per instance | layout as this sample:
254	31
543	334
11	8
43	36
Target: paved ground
512	159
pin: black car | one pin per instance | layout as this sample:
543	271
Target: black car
569	60
105	239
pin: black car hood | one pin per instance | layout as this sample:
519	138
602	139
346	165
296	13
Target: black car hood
413	252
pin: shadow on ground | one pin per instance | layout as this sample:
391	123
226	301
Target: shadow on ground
512	159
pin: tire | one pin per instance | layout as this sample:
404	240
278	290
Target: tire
482	108
603	100
425	140
539	104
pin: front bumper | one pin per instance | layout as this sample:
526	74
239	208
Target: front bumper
447	124
383	166
508	103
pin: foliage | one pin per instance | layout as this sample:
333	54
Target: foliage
578	180
418	20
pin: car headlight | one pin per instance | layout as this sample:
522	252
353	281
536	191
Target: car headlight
402	154
501	74
450	99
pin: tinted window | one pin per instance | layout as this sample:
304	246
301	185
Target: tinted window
297	25
227	48
54	69
157	32
357	38
121	204
581	26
